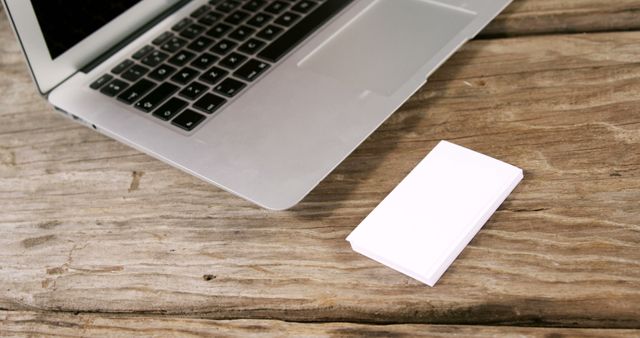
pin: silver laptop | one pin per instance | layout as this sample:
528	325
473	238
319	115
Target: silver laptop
262	98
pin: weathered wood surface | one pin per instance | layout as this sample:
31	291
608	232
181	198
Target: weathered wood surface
19	323
565	16
90	225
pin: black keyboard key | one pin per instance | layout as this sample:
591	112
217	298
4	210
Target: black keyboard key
184	75
259	20
228	6
304	6
270	32
114	87
101	81
181	58
193	90
213	75
170	108
182	24
135	72
136	91
204	61
302	29
192	31
219	30
210	18
241	33
233	60
252	46
209	103
162	72
200	11
254	5
251	70
142	52
174	44
200	44
162	38
229	87
237	17
155	58
155	98
223	47
276	7
121	66
287	19
188	120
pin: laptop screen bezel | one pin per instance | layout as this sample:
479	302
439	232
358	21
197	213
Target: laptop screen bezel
47	72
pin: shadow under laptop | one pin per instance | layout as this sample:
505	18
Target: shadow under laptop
341	186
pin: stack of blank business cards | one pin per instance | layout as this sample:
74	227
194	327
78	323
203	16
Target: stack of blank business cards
429	218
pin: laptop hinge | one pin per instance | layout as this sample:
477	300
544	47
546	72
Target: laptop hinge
118	46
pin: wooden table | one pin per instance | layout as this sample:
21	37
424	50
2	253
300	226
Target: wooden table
99	239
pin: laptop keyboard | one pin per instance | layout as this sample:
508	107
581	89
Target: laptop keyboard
186	74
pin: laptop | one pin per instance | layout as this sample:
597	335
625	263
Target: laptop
262	98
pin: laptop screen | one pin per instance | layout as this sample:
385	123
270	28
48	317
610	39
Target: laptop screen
64	23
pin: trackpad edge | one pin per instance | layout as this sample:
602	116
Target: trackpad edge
387	44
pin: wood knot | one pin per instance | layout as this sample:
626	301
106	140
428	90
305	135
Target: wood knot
208	277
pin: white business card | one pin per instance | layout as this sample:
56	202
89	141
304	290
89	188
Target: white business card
429	218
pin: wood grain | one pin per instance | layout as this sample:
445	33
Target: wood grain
90	225
19	323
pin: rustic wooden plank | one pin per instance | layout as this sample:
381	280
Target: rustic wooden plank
91	225
25	323
526	17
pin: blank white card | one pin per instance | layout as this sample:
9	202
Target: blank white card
429	218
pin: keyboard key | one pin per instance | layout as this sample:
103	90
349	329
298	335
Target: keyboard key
237	17
304	6
287	19
301	30
210	18
192	31
135	72
209	103
228	6
229	87
200	44
223	47
155	58
251	70
219	30
101	81
251	46
200	11
170	108
162	38
162	72
136	91
204	61
182	24
242	33
259	20
184	75
213	75
254	5
153	99
270	32
142	52
121	66
188	120
193	90
276	7
233	61
174	44
181	58
114	87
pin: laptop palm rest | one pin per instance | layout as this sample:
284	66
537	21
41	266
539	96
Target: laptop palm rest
387	43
